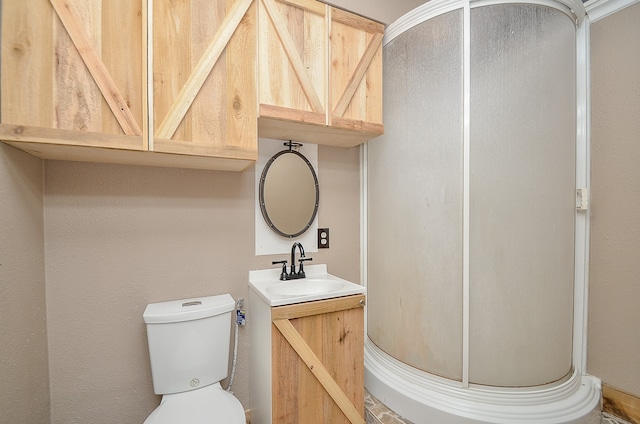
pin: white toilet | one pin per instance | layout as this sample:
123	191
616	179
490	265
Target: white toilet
189	351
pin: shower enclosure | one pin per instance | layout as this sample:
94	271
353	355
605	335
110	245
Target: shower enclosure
471	217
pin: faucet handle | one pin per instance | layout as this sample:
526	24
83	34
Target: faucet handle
301	270
283	274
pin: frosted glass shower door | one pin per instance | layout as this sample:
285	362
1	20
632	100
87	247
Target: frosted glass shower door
509	131
415	206
522	195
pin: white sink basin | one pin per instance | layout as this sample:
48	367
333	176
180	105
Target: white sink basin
317	285
304	286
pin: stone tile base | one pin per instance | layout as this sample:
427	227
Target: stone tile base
608	419
377	413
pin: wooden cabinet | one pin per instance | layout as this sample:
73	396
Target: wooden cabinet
204	85
310	366
174	83
293	54
72	76
320	73
356	74
78	82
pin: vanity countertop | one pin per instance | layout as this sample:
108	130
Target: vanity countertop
317	285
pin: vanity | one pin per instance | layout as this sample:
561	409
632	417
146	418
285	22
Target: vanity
307	348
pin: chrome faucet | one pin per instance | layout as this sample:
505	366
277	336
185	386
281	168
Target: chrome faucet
293	274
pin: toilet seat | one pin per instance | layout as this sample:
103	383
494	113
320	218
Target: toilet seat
211	405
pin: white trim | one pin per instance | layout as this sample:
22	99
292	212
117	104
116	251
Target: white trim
572	8
364	221
428	10
425	398
598	9
466	175
583	148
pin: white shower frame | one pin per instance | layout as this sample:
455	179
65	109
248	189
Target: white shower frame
420	396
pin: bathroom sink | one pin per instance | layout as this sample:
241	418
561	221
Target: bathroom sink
304	286
317	285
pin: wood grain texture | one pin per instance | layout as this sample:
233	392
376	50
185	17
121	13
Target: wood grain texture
342	54
27	49
205	93
92	60
201	71
80	67
124	25
358	74
61	137
62	72
78	100
341	134
301	310
241	128
171	66
356	68
57	144
293	55
621	404
318	362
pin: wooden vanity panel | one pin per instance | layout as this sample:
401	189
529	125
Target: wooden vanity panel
334	331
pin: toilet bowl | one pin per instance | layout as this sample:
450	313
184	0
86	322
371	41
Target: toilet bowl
189	354
211	404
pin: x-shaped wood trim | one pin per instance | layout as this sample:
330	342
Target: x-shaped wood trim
190	90
280	25
96	68
318	369
358	74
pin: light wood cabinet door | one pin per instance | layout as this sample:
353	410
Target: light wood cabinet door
73	75
318	362
356	73
204	84
293	60
97	80
78	82
320	73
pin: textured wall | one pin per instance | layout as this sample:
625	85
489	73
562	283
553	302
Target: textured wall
380	10
120	237
24	385
614	339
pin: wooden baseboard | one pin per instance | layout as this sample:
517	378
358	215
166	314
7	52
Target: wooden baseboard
621	404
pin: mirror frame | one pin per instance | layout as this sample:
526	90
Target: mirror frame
263	207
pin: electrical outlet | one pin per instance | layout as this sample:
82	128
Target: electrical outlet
323	238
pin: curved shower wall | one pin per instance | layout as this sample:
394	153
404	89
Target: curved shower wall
415	202
471	202
522	194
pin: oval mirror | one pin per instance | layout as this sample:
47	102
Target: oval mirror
289	192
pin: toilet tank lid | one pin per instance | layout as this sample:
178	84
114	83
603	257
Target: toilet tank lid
188	309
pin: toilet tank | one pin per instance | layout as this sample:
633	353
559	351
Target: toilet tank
188	342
